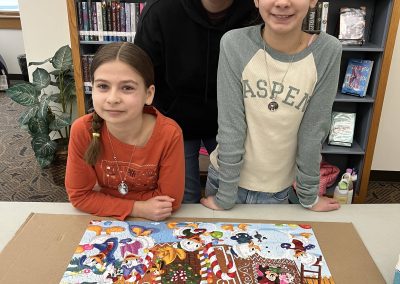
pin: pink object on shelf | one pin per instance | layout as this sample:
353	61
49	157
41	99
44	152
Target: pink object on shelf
328	175
203	151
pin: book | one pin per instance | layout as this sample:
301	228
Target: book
324	16
118	21
352	25
342	129
100	25
128	22
85	20
90	19
95	28
80	21
318	16
133	18
357	77
122	19
114	20
311	19
104	20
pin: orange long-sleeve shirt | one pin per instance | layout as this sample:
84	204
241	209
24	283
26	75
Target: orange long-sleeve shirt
157	168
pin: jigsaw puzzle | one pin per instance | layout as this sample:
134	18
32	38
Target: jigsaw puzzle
197	252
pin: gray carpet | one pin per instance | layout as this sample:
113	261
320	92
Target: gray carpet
21	178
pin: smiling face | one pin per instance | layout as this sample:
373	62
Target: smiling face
119	93
284	16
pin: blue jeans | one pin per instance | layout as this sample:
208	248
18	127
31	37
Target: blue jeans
192	172
245	196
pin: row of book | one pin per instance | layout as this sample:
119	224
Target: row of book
352	23
317	18
108	20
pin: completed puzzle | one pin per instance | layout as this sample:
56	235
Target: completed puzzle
197	252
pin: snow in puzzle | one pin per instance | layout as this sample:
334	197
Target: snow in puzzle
197	252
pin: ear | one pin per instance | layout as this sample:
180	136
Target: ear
256	3
150	94
313	3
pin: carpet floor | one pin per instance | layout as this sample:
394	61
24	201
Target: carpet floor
21	178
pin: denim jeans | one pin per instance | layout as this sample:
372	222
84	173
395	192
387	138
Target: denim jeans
192	172
245	196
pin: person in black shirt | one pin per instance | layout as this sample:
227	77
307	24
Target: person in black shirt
182	38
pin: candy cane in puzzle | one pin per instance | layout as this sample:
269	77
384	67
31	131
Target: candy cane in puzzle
230	274
148	260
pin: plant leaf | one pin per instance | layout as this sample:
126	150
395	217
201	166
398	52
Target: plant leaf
60	122
27	115
63	58
43	146
43	108
41	78
25	94
70	91
38	126
45	161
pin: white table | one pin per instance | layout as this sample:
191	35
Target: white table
377	224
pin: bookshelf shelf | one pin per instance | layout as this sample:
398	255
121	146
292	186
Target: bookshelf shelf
369	47
382	21
355	149
94	42
349	98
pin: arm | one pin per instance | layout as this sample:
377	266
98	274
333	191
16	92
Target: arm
171	179
80	179
313	131
232	127
172	170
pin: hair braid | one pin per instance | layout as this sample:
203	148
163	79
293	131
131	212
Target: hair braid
93	151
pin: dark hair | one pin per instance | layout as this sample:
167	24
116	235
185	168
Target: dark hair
127	53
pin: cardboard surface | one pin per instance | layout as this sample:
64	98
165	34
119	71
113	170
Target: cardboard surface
42	248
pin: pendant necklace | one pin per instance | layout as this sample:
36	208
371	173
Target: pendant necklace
122	186
273	105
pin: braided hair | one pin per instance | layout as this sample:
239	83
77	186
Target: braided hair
94	149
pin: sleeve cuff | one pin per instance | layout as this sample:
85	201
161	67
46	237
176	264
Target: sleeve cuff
312	204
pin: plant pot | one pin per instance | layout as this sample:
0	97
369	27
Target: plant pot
59	165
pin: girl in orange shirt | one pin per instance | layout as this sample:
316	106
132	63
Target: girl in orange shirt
125	158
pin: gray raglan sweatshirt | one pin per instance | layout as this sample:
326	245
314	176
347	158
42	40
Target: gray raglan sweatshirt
267	151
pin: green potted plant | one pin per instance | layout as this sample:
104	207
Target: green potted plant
49	109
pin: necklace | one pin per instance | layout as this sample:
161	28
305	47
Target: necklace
122	186
273	105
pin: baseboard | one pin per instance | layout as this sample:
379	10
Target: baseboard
384	176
